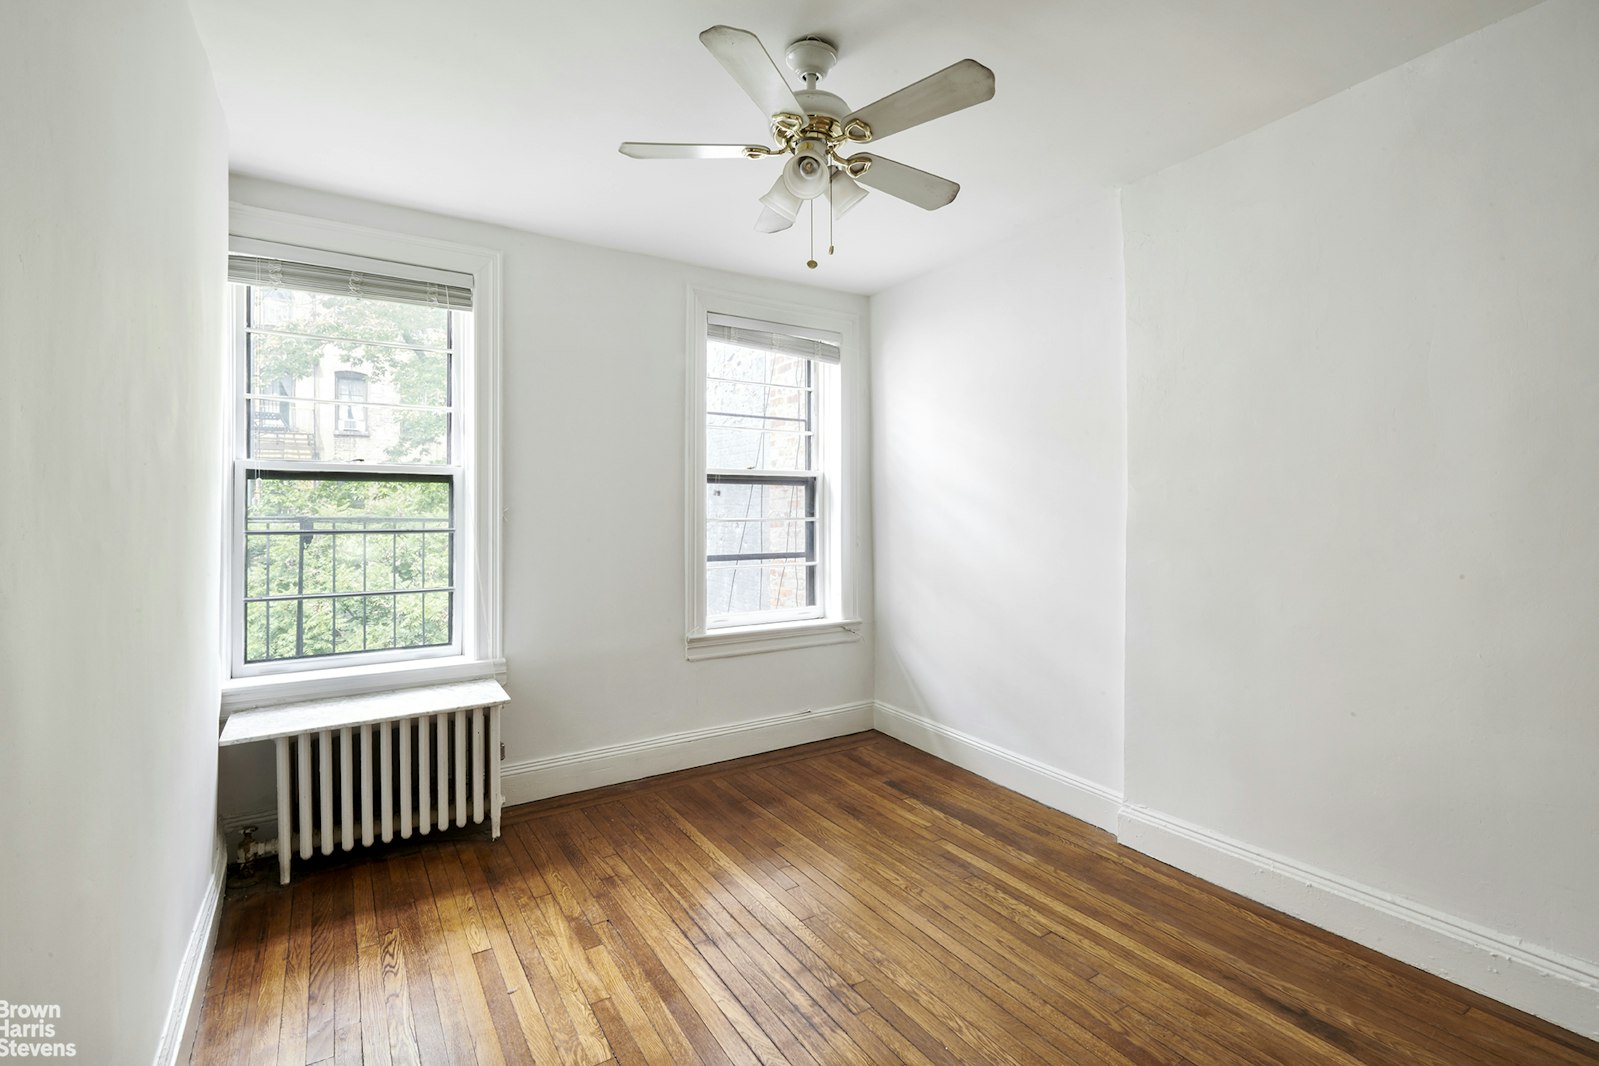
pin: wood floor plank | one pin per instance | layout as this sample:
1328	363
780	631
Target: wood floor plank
750	974
564	953
329	930
267	1020
1176	967
617	1032
292	1024
672	935
442	869
405	971
530	1013
1065	1039
349	1038
653	1047
1184	942
234	1040
669	1008
510	1042
863	878
911	880
851	901
797	974
1016	941
512	897
369	972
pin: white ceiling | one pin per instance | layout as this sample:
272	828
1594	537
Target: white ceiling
510	112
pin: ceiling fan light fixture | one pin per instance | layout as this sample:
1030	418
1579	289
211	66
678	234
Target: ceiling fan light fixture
845	192
771	221
778	206
805	175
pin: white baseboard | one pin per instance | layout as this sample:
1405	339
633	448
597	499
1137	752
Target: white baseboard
183	1014
1539	980
535	779
1077	796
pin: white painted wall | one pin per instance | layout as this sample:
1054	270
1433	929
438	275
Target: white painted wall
1000	478
594	373
1363	499
112	228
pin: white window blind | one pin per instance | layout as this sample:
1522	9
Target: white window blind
796	341
271	267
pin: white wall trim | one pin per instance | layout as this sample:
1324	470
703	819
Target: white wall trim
557	775
1560	988
183	1014
1076	796
242	694
752	640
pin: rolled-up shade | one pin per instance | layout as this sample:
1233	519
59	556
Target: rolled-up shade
435	288
798	341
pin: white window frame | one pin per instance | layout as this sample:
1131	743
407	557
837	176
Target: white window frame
479	641
839	418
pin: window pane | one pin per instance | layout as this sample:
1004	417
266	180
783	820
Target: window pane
347	563
757	410
725	499
747	589
347	432
309	368
741	448
357	318
753	519
758	537
749	398
724	360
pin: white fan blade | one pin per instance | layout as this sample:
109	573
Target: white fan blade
744	57
927	191
649	150
955	87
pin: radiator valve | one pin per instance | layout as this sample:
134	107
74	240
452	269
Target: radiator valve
247	848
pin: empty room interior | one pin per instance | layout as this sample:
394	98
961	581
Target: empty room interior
604	563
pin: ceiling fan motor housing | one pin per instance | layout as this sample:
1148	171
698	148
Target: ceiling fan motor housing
817	102
811	58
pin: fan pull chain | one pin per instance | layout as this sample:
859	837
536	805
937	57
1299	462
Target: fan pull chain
811	262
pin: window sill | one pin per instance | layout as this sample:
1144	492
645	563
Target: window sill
780	636
245	692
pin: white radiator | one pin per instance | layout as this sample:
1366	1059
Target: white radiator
398	771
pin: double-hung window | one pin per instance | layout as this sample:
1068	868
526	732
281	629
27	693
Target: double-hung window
770	500
351	491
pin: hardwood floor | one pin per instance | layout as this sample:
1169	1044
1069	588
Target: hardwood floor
852	901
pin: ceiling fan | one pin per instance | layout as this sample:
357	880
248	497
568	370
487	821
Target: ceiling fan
812	127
